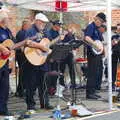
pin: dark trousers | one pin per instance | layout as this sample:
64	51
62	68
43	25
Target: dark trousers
35	80
21	61
115	59
68	61
4	89
52	78
99	74
93	67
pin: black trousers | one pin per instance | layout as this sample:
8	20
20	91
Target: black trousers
115	60
21	61
68	61
35	80
99	74
94	62
4	89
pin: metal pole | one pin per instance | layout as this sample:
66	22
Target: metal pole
109	52
61	21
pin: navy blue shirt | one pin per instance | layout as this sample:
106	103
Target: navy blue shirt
21	35
4	35
93	32
52	34
42	34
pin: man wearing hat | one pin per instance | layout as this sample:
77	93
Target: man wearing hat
53	33
35	74
92	34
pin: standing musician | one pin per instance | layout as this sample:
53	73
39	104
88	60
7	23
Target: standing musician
5	34
94	61
68	60
115	54
53	65
20	36
36	74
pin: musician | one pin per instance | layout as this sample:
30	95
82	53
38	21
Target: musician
115	54
36	74
53	65
5	34
94	61
102	29
68	60
20	36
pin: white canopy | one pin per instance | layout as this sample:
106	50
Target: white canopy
73	5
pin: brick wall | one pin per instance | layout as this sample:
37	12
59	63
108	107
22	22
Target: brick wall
17	15
115	17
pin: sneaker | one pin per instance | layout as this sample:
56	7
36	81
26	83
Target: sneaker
31	111
9	118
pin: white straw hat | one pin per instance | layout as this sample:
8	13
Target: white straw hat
42	17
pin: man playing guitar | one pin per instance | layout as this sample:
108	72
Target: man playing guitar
35	74
5	34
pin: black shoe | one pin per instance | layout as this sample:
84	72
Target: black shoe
5	114
97	91
97	95
92	97
48	107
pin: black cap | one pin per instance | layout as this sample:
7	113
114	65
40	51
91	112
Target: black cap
101	16
56	22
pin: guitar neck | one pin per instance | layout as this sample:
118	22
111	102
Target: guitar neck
22	43
18	45
55	40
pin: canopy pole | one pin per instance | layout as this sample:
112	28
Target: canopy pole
109	53
61	21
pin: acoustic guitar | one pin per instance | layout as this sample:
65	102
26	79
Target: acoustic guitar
11	46
37	56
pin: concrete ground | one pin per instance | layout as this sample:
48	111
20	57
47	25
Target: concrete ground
99	108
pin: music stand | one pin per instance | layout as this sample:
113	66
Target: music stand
60	51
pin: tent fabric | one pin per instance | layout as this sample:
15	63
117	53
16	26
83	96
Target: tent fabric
73	5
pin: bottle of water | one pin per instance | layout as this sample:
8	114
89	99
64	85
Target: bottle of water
57	114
